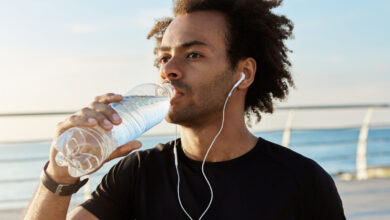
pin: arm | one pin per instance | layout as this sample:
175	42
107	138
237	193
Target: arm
47	205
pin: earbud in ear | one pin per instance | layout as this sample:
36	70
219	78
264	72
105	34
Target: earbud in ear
239	81
242	77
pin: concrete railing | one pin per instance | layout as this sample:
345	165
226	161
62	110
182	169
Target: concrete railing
361	149
361	157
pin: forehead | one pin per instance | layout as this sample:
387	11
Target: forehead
204	26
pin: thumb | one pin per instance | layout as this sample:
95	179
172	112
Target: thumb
124	149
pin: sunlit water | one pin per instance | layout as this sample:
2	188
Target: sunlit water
334	150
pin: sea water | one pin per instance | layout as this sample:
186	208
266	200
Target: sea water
333	149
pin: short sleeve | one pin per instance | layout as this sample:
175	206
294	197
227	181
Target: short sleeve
113	197
326	200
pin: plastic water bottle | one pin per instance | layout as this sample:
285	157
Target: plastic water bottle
83	149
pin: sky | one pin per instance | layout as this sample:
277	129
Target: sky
59	55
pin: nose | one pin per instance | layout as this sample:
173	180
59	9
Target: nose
170	70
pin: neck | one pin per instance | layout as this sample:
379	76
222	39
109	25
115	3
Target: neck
234	140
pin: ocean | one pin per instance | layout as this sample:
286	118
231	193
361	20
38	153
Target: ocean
333	149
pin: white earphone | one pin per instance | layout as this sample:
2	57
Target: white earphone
240	80
237	83
204	159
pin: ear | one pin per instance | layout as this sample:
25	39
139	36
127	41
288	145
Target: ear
248	67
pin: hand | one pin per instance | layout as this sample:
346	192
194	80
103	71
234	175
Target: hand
99	113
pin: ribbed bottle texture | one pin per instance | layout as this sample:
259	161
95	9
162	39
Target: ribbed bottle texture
84	149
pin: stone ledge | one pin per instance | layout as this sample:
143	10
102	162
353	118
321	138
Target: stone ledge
372	172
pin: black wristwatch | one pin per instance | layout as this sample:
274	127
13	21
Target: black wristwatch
58	188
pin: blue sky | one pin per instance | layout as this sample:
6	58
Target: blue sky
341	46
58	55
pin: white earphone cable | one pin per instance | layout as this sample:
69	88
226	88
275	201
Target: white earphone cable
207	153
178	175
205	157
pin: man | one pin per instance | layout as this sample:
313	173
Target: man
203	52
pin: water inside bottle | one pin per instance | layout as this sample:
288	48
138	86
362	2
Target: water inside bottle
138	114
84	149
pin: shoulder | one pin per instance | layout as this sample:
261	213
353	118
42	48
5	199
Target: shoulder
292	161
317	189
305	172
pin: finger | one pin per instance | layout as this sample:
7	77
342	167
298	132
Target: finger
74	121
108	98
103	121
108	111
125	149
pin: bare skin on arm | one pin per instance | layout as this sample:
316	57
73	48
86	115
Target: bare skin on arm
47	205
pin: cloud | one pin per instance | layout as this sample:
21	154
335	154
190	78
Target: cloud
83	28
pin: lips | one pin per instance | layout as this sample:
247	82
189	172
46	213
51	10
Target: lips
179	90
176	96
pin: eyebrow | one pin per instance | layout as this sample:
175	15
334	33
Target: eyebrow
184	45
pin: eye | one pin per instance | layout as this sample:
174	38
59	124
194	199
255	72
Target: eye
193	55
164	59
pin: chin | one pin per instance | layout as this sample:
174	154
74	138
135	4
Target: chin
169	119
173	119
177	118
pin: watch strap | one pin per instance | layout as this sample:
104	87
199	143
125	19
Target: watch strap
60	189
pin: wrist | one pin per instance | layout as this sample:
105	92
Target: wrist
60	174
60	189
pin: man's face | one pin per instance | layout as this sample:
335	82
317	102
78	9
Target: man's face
193	56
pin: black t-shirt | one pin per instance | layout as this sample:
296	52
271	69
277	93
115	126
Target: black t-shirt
268	182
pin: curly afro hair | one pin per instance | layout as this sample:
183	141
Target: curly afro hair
253	31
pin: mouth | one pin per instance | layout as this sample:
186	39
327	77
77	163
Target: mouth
180	89
176	96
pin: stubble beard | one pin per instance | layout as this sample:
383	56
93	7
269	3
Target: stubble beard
211	98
